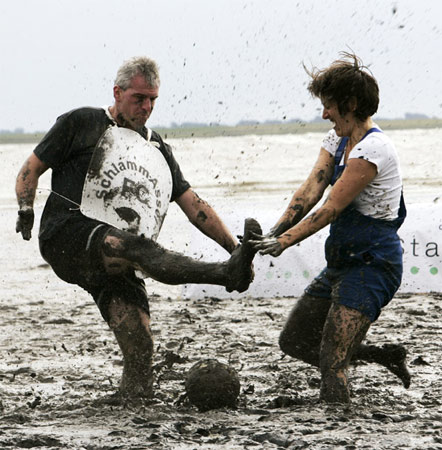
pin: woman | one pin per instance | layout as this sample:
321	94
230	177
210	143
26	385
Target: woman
364	257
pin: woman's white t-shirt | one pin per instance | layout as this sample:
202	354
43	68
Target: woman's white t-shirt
381	197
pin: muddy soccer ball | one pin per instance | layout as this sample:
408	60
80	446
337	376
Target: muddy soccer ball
211	385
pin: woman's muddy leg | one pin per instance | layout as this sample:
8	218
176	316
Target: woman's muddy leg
174	268
344	330
302	333
131	326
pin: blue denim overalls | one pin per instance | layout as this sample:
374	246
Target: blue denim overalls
364	256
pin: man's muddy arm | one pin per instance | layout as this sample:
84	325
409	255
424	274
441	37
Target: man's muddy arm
205	218
25	189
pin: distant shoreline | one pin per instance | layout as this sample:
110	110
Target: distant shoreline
243	130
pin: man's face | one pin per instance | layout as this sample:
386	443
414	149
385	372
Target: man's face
135	104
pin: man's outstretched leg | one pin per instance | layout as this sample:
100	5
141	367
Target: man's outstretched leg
130	323
131	326
174	268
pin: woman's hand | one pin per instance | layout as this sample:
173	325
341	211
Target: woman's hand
266	245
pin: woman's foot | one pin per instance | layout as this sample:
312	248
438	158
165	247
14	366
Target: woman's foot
334	388
394	359
391	356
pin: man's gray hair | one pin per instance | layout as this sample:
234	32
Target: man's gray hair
138	65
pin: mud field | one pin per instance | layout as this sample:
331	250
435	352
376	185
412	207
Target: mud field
60	363
60	366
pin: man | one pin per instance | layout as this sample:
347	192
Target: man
103	259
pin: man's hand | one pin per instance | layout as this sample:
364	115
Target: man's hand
25	222
266	245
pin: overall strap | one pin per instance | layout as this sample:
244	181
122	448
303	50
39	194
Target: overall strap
338	157
371	130
340	151
402	213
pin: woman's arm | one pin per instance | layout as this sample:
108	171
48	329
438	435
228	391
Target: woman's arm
354	179
307	195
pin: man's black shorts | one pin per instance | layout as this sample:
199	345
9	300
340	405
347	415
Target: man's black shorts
74	253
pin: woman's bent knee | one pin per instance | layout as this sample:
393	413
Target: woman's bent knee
302	333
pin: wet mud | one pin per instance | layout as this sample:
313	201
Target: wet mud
61	366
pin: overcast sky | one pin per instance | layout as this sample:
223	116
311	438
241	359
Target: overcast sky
221	61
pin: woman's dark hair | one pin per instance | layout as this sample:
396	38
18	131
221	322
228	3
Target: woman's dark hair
345	79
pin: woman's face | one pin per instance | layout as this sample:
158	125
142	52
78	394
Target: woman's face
343	125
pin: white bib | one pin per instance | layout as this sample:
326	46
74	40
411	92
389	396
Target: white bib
128	183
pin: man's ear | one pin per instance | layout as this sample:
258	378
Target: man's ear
117	93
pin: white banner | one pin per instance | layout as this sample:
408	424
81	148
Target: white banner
290	273
421	236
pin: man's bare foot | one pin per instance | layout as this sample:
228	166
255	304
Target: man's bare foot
239	266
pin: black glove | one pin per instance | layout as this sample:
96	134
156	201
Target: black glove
25	222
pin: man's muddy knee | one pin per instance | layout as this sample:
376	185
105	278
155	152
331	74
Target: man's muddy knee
121	244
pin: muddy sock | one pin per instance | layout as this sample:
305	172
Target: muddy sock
239	266
137	381
391	356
